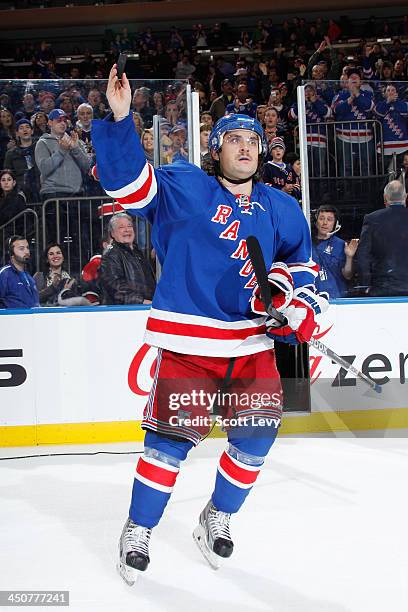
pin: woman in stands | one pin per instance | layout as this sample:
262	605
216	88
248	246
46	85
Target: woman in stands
39	121
53	278
7	133
12	201
147	144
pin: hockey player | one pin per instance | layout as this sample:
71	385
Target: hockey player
201	318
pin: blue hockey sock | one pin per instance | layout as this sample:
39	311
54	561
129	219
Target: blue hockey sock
155	477
239	467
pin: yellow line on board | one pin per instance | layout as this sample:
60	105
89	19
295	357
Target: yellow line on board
130	431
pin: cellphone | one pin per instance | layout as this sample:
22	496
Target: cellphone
120	64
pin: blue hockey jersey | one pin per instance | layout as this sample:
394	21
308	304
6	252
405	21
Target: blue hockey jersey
355	128
316	113
393	117
199	231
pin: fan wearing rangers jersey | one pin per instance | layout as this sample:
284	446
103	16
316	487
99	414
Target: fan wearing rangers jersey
207	320
354	137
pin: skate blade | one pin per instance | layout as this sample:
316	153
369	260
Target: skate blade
199	538
128	574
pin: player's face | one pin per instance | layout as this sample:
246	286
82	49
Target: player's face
123	231
239	154
325	223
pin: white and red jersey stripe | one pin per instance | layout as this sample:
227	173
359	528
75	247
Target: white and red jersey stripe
316	140
393	146
140	192
156	474
191	334
237	473
356	135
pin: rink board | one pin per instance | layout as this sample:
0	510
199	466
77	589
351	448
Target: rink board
82	375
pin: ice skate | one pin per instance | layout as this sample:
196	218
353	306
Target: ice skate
212	535
133	551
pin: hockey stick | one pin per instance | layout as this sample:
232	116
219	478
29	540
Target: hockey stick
261	275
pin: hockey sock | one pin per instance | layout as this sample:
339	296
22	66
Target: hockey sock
155	477
239	467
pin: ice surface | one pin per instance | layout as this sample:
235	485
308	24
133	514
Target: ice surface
324	530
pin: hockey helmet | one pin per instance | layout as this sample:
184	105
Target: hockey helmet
236	122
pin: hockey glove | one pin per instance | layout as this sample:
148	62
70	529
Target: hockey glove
281	282
300	315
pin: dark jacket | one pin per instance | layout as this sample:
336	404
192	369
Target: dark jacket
17	289
22	163
126	276
10	205
382	254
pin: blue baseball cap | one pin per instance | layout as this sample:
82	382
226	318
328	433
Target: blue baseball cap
23	121
57	113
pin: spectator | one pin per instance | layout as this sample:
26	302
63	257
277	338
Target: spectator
29	107
159	103
176	40
171	112
7	133
271	124
204	135
12	201
219	105
21	162
331	253
138	122
61	159
47	102
125	275
184	68
293	159
166	150
90	273
355	149
148	144
178	137
242	104
53	278
83	125
381	255
317	113
17	287
275	172
39	122
206	118
393	114
403	173
140	104
275	100
100	109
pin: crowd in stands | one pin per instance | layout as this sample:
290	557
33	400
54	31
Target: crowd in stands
356	115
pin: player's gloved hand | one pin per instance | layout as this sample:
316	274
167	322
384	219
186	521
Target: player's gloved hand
281	282
300	315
